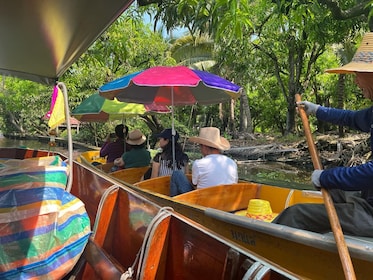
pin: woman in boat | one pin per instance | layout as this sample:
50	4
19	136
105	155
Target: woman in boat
137	154
350	187
163	161
211	170
115	149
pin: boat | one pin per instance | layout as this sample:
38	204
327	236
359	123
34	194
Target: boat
49	39
91	156
223	209
134	238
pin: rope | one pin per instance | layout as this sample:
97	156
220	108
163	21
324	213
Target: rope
163	213
141	256
101	205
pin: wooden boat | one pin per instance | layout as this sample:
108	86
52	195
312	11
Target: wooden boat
134	237
91	156
128	175
293	249
121	217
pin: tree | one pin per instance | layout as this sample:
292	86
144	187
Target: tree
289	35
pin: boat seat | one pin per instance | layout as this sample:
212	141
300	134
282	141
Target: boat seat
106	167
130	175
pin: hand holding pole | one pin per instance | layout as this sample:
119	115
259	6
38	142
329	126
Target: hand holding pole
344	255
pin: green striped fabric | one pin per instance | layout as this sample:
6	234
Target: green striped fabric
43	228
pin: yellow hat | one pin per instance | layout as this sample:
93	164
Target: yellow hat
258	209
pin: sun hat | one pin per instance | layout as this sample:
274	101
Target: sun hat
210	136
135	137
362	60
258	209
167	134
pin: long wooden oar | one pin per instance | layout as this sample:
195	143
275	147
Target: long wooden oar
332	214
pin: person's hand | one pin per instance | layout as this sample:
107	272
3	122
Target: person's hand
108	138
309	107
315	178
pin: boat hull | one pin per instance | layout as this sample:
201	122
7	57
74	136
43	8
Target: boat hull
127	225
296	250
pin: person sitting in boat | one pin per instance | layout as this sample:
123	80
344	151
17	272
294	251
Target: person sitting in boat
163	161
211	170
115	149
349	187
137	154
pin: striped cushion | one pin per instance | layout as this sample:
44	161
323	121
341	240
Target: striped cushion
43	228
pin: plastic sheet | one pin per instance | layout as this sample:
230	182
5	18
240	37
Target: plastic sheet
43	228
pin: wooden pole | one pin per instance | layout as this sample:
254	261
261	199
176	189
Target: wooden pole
344	255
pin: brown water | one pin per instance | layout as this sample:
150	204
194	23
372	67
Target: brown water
272	173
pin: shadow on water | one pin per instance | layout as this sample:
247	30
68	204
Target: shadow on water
271	173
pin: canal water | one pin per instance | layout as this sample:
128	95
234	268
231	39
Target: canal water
272	173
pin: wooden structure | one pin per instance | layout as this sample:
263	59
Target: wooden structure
134	237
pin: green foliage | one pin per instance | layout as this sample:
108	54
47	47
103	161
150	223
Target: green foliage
23	105
273	49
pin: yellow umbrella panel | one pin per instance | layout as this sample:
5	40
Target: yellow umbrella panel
98	109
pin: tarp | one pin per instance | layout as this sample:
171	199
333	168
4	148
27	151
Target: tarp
41	39
43	228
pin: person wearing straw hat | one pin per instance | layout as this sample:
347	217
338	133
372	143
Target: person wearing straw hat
351	188
137	154
211	170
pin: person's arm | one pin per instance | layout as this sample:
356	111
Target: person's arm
348	178
119	162
195	174
155	169
104	151
186	168
360	120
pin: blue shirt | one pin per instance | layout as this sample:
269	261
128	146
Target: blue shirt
350	178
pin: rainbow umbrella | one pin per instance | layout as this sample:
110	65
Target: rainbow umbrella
177	85
98	109
173	86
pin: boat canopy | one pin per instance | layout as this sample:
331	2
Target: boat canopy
41	39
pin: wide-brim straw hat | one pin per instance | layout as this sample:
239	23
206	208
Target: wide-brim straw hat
135	137
258	209
210	136
362	60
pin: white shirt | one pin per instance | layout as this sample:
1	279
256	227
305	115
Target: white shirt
214	169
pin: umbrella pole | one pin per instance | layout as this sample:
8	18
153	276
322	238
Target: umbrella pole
173	129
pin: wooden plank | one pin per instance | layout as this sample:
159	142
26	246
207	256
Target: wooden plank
230	197
156	259
130	175
105	218
100	264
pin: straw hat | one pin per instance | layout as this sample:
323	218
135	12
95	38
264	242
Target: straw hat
135	137
210	136
258	209
362	60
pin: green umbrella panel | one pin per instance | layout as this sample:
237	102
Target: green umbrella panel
99	109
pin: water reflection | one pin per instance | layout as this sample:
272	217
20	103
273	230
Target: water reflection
272	173
34	144
275	173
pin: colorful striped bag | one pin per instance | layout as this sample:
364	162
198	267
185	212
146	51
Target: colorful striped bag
43	228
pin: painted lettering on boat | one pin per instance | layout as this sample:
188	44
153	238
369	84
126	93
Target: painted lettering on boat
243	237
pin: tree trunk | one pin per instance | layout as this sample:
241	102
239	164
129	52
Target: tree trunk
246	124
